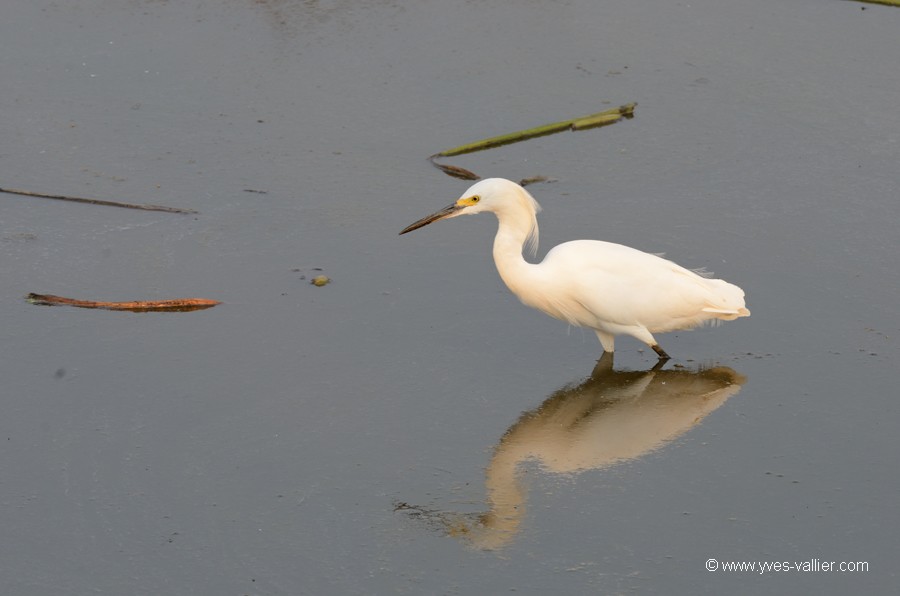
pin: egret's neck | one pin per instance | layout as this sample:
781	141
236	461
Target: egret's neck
513	232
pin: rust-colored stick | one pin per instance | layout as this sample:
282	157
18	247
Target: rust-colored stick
177	305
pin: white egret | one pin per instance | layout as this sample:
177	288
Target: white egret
610	288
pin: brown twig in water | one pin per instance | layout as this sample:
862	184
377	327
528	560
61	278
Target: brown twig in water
26	193
176	305
454	171
533	180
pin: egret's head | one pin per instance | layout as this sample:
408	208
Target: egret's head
492	194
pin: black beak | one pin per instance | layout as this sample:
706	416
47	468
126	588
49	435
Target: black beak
445	212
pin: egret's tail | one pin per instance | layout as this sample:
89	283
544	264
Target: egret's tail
726	302
727	315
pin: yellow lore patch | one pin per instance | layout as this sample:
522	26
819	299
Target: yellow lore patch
468	201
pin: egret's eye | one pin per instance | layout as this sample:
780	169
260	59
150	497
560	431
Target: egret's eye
476	198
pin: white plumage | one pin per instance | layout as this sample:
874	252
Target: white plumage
610	288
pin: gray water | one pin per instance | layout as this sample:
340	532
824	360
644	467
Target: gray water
411	428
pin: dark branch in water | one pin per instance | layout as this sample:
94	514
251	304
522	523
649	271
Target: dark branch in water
27	193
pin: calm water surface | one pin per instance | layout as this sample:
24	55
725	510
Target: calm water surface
410	428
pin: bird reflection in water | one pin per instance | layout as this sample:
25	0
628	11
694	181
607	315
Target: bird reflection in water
611	417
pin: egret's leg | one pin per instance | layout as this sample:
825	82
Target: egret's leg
645	336
607	340
660	352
